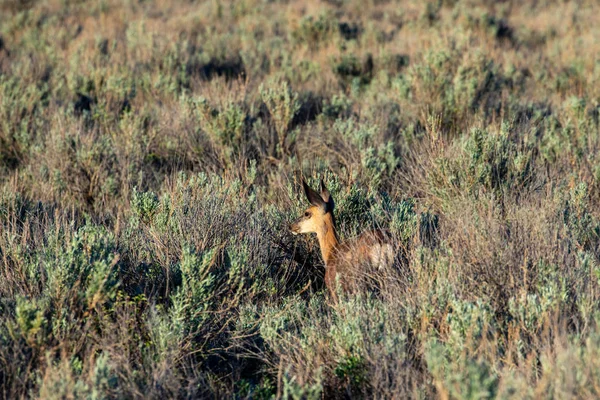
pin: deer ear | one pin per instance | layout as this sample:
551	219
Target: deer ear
326	196
313	197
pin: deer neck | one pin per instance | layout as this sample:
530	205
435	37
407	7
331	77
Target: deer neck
328	240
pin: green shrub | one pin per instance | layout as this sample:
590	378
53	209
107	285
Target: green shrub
314	32
20	109
463	378
283	105
352	72
226	128
378	160
583	226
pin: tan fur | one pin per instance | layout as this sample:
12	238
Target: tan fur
343	261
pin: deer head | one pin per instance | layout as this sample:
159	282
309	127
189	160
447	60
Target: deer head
319	216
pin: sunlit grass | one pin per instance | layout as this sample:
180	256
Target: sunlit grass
151	154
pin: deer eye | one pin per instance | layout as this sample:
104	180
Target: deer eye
307	214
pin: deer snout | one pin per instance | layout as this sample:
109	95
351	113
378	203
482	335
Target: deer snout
294	228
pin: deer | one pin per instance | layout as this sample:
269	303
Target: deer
346	261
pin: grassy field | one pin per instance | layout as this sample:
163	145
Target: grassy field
151	155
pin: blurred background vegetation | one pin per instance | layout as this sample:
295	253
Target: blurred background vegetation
150	157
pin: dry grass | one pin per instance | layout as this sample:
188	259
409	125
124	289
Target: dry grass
150	160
